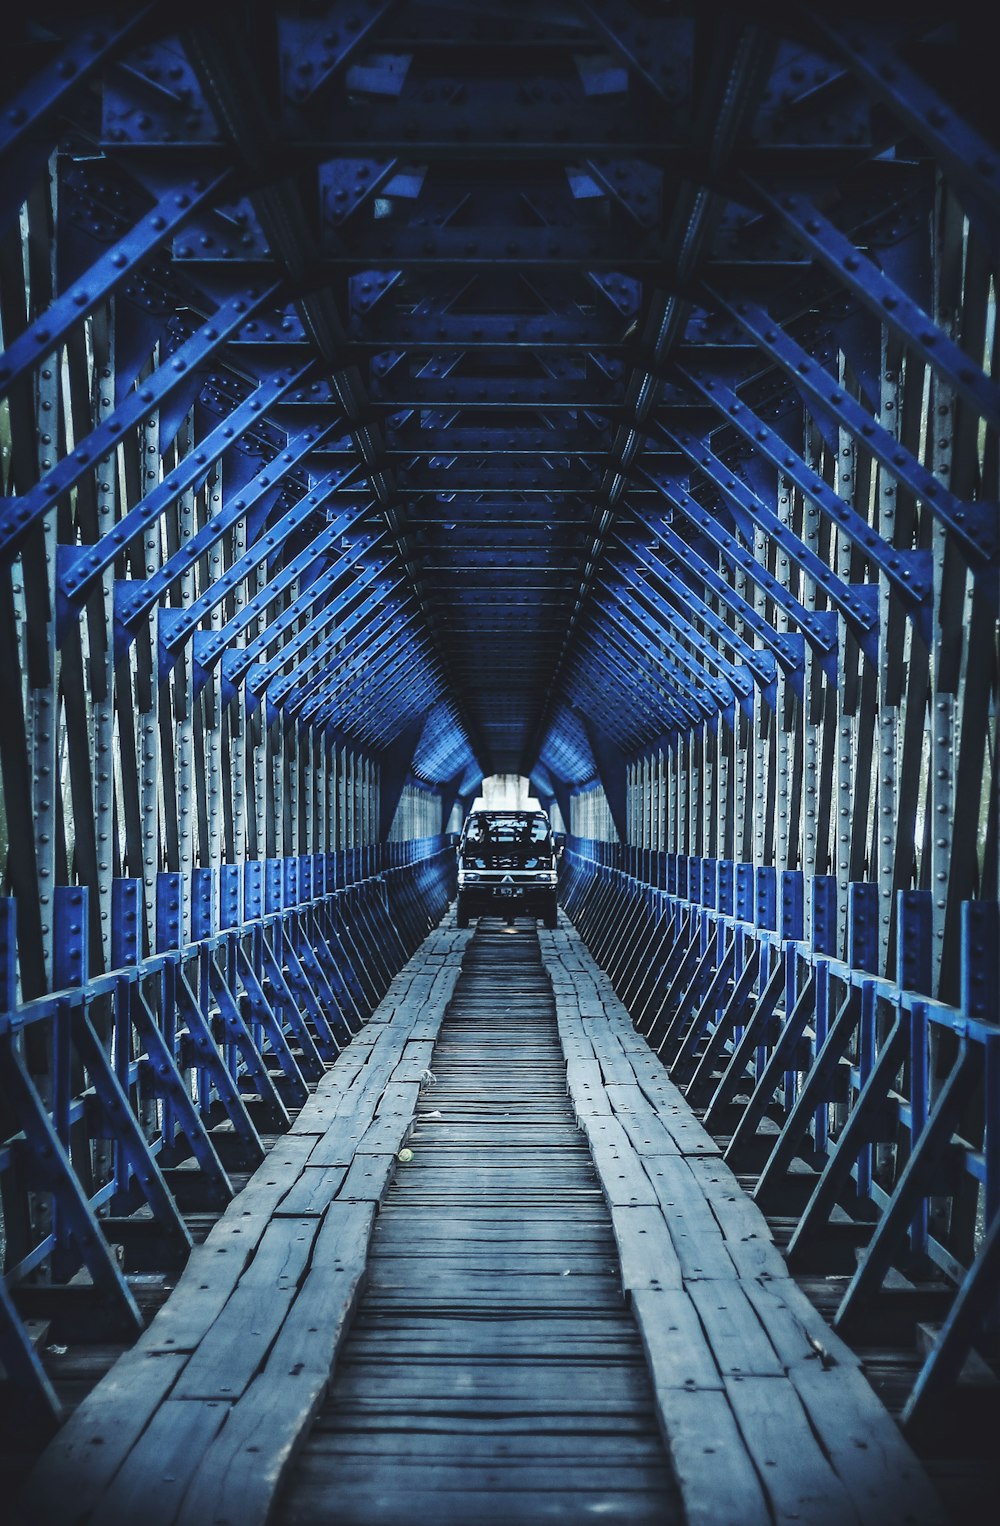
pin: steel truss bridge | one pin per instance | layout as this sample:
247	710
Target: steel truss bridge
604	392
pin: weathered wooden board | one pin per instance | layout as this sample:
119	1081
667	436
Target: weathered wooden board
645	1250
775	1428
884	1480
739	1342
152	1481
368	1179
235	1347
77	1467
314	1191
675	1344
738	1215
493	1314
795	1328
243	1467
717	1478
679	1196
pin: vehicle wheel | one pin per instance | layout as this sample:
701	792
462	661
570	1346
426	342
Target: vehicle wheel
461	912
550	918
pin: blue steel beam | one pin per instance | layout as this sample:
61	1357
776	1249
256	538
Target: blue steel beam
386	712
267	677
762	661
735	682
116	264
176	626
208	646
368	657
595	697
970	158
385	716
359	654
618	650
882	295
684	674
908	572
81	54
638	688
237	661
819	627
976	525
612	769
17	515
81	566
682	616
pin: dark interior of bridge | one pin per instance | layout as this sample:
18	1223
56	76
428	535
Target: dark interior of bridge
590	403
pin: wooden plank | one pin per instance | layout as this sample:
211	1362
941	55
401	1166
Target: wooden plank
399	1098
578	1388
718	1481
886	1482
411	1337
623	1181
680	1197
797	1475
152	1482
238	1341
739	1342
645	1250
378	1502
703	1257
368	1179
755	1258
673	1340
339	1144
243	1468
679	1120
415	1060
76	1468
446	1468
562	1453
321	1107
386	1134
738	1215
212	1271
313	1193
797	1330
500	1289
646	1130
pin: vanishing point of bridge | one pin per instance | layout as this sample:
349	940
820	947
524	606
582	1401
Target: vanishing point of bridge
591	402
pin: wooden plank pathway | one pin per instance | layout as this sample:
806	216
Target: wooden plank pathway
513	1321
493	1373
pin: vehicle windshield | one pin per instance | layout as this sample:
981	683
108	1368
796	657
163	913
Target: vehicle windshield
492	831
522	835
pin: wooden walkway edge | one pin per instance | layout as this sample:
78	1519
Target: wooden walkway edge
765	1411
226	1378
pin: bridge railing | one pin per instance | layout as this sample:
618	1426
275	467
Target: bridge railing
835	1087
132	1097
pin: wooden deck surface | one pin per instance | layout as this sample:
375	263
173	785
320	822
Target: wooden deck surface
518	1327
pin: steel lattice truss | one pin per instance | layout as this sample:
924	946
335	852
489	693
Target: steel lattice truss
544	364
398	393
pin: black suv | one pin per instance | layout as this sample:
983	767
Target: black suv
507	865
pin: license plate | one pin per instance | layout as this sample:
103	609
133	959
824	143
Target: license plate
507	890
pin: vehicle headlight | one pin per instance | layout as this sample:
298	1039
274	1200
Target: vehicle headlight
465	875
